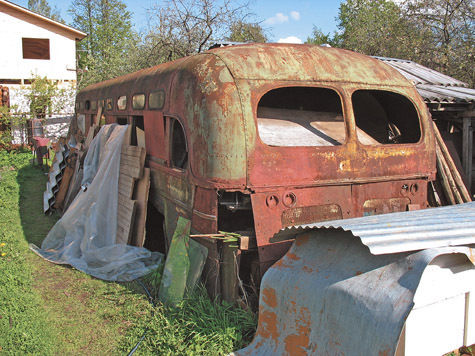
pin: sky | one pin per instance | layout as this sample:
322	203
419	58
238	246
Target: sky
283	20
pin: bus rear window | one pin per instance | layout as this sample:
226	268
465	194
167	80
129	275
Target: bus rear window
301	116
384	117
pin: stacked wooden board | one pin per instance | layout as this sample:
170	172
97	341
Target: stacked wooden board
133	186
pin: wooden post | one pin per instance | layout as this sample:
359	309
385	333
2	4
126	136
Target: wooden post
467	150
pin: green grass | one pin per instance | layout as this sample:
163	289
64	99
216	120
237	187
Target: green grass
50	309
198	326
23	326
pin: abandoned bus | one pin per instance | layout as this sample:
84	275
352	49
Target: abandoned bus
257	138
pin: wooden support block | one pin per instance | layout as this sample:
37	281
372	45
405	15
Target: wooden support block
141	196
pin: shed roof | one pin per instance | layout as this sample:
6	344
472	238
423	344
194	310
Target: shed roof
433	86
40	20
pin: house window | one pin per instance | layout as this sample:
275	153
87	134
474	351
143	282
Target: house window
35	48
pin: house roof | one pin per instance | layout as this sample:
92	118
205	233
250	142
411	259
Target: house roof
40	20
433	86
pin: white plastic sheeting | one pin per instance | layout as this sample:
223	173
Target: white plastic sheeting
85	237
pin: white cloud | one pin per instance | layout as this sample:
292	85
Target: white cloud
290	39
295	15
276	19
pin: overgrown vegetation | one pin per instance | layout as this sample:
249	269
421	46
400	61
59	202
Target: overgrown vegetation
50	309
197	326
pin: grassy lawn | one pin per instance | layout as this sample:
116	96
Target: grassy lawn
50	309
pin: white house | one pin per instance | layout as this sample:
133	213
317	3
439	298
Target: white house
35	45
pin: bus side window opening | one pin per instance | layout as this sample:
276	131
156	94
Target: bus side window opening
179	151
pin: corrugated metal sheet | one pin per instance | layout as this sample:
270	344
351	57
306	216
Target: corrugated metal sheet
433	86
329	296
409	231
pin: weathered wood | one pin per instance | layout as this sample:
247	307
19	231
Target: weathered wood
97	119
453	173
467	152
443	178
126	185
65	180
230	256
133	172
125	216
142	188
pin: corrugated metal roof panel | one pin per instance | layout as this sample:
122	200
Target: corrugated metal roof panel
436	93
422	75
409	231
433	86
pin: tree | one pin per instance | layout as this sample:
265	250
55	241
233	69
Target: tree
241	31
436	33
451	24
377	28
183	27
43	8
103	54
320	38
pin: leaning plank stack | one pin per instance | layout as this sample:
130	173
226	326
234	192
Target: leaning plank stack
448	176
133	186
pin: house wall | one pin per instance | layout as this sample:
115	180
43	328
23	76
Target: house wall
13	66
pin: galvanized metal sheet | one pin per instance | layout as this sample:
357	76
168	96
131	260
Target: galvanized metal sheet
420	73
441	94
433	86
409	231
329	296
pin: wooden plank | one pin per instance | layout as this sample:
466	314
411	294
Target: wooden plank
93	130
66	179
125	216
130	171
126	185
127	136
134	151
97	119
130	161
140	137
141	196
452	172
441	170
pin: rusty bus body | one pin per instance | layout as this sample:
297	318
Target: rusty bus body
256	138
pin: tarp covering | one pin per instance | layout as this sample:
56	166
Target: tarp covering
85	237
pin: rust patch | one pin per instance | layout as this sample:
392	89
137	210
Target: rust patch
357	273
292	256
268	323
297	344
269	297
302	239
308	269
384	352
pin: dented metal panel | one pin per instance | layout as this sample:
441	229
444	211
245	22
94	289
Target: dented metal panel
330	296
409	231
